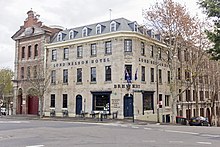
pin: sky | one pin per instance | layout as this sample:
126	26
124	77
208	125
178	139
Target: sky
68	14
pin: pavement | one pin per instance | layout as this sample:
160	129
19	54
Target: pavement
80	119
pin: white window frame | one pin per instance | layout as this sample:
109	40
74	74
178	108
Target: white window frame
135	27
100	29
59	36
71	33
84	32
111	24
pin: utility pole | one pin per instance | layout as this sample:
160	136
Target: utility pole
157	89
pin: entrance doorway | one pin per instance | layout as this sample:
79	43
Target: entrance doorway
128	105
78	104
19	102
33	105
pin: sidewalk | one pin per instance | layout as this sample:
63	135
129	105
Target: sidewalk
79	119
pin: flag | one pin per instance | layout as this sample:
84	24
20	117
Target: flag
128	78
136	76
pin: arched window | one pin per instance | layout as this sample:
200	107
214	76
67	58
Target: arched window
71	34
35	50
98	29
112	26
84	32
59	37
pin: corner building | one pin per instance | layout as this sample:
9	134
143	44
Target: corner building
108	66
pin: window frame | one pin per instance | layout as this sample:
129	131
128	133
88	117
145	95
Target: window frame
54	55
79	75
65	101
79	51
52	101
113	26
65	76
93	74
66	54
108	73
108	47
128	45
93	49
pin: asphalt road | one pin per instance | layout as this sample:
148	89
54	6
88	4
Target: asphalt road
44	133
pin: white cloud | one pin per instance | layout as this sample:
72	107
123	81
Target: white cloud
66	13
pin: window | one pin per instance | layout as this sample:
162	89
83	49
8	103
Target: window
98	29
29	51
71	34
148	103
65	76
52	100
188	95
84	32
152	74
108	47
142	73
79	51
186	55
168	77
101	101
35	50
152	51
22	72
128	45
202	112
53	77
128	72
167	100
179	54
79	75
180	95
108	73
54	55
35	71
160	101
160	76
113	26
28	72
135	27
59	37
23	52
194	95
201	94
93	49
142	49
159	54
179	74
65	53
187	75
93	74
64	100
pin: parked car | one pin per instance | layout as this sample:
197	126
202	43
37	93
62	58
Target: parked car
181	120
3	111
199	121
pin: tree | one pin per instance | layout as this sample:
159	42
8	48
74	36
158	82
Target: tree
179	32
212	10
6	86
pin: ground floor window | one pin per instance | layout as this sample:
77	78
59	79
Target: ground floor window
101	101
148	103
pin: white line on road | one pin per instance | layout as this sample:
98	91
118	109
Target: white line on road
183	132
148	141
134	127
204	142
175	141
13	122
35	146
209	135
148	128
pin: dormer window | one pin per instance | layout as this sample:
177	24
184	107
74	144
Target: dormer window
59	37
98	29
84	32
71	34
112	26
135	27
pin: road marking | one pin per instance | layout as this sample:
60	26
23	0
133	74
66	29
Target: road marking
13	122
209	135
183	132
35	146
175	141
148	141
135	127
148	128
204	142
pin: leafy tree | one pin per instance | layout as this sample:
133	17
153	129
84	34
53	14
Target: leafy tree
212	10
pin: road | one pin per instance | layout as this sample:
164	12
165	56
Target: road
46	133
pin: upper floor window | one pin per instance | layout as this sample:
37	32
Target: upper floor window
142	73
128	45
28	72
79	51
35	50
98	29
160	76
159	54
151	51
22	72
23	52
152	74
59	37
35	71
135	27
128	73
93	74
53	76
167	100
112	26
71	35
93	49
65	76
29	51
168	77
52	100
65	53
142	49
84	32
108	73
108	47
54	55
79	75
